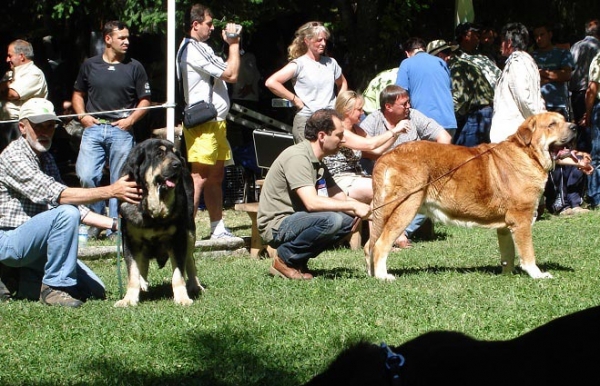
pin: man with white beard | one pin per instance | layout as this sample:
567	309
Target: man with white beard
40	216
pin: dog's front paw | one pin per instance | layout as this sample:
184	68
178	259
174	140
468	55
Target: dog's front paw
386	277
184	302
126	302
183	299
180	296
535	273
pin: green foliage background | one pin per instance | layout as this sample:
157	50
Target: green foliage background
366	33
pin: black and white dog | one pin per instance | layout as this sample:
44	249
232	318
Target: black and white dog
162	225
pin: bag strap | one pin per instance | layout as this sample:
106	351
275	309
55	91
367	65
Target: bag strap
181	94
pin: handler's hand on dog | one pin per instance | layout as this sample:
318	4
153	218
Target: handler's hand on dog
127	190
362	210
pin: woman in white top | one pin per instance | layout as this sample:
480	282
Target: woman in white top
315	76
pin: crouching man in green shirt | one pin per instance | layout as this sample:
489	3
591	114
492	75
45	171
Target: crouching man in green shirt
301	210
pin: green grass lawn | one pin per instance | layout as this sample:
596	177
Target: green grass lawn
251	329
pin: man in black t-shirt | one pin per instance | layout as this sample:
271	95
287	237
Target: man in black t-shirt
108	85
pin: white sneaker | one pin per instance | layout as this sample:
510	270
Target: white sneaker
223	235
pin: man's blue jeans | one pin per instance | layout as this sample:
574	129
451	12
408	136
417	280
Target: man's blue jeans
99	144
415	224
304	235
594	178
46	246
476	128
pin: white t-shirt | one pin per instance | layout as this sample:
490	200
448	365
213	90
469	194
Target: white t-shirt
314	83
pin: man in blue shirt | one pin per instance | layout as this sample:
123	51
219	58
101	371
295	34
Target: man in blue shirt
428	82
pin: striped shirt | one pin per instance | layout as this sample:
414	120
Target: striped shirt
198	64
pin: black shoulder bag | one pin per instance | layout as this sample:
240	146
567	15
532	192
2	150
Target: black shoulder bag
200	112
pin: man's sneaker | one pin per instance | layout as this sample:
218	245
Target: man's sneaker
226	234
55	297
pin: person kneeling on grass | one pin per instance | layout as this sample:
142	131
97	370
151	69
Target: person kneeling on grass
39	219
302	211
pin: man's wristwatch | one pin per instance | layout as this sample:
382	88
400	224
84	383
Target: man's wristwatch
115	225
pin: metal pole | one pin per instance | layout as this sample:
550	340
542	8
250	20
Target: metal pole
171	70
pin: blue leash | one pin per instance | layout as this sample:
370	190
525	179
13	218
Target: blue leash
119	245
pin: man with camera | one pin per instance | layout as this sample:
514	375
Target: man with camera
204	75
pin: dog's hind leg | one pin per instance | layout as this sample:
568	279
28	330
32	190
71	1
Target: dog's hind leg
143	265
193	283
387	228
507	250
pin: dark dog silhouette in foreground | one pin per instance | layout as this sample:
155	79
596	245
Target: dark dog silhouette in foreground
561	352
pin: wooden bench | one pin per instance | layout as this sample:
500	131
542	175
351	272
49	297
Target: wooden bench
256	244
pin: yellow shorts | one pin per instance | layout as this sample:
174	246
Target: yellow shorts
207	143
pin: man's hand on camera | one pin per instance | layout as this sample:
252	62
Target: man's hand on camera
231	33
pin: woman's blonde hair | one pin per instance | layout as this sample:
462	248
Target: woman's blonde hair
309	31
346	101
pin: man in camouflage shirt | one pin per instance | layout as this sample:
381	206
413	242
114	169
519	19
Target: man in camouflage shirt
471	93
467	36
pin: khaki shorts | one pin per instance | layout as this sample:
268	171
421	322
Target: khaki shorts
207	143
346	180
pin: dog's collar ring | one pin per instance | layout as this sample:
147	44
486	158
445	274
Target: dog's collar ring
393	363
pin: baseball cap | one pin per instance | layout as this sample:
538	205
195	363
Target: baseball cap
38	110
436	46
462	29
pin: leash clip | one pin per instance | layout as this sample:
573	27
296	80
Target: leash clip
393	363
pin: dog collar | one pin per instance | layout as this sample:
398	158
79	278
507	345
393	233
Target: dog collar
393	363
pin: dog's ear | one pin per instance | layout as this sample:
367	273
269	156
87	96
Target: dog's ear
525	131
133	165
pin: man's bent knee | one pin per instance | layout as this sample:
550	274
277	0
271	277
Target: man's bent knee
68	213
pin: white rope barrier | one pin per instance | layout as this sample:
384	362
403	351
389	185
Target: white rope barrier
163	106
